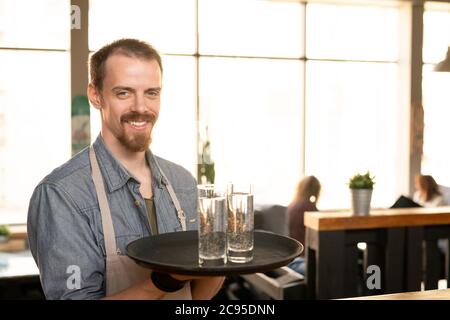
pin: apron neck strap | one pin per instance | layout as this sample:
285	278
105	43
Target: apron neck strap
180	213
108	229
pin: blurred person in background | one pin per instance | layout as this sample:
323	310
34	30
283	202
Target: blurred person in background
428	195
427	192
306	197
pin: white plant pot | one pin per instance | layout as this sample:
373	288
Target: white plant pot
361	201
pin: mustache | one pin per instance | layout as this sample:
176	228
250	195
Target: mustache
136	116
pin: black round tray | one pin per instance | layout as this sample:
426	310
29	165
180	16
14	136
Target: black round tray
177	252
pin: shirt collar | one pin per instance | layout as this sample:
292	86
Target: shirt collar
155	170
114	173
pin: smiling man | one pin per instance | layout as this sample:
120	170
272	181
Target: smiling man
83	215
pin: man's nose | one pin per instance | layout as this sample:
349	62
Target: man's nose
139	104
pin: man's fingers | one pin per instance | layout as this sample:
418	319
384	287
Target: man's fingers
183	277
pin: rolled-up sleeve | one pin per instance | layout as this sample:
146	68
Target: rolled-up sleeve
63	245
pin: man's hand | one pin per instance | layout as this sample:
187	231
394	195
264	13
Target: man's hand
183	277
202	288
144	290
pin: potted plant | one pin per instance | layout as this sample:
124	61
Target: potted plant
361	187
4	234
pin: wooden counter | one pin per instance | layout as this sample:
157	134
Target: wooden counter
17	239
418	295
401	242
384	218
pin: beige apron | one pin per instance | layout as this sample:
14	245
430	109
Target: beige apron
121	271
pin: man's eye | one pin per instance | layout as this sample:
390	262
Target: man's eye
122	94
153	93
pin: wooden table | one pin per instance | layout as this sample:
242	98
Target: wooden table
394	240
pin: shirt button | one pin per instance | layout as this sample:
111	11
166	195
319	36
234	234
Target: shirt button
137	203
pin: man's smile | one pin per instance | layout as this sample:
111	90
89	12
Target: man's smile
139	122
137	125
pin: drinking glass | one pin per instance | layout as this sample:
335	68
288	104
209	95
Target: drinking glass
240	222
212	211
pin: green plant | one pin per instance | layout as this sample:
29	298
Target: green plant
4	231
359	181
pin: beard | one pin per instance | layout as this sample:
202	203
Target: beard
135	142
132	140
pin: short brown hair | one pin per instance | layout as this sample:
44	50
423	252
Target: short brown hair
127	47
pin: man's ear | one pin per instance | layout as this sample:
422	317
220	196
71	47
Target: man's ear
94	96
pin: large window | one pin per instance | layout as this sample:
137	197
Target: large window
34	98
353	118
251	28
245	61
252	108
251	89
169	25
436	93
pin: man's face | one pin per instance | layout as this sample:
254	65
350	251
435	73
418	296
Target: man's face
130	100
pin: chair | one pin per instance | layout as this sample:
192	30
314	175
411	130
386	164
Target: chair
281	283
272	218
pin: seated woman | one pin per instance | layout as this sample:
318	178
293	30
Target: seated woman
305	199
427	194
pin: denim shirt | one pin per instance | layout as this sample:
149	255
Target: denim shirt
65	227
